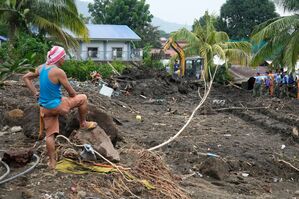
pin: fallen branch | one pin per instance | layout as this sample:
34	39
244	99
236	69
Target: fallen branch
188	176
242	108
234	85
124	105
289	164
122	80
114	70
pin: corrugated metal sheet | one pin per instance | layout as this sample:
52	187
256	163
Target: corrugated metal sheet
111	32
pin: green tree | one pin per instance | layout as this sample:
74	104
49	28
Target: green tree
239	17
290	5
133	13
98	11
152	36
281	37
43	16
202	21
206	42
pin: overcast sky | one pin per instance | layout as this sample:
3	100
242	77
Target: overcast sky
184	11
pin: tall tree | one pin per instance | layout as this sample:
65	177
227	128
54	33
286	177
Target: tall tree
202	21
151	36
281	36
98	11
206	42
43	16
133	13
290	5
239	17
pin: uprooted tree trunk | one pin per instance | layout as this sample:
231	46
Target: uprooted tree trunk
70	122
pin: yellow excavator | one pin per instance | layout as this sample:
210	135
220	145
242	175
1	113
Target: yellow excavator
190	67
176	47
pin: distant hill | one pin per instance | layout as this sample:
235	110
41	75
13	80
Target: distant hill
168	26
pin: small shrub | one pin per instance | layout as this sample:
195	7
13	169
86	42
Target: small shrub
222	76
13	66
149	61
81	70
23	48
105	70
119	66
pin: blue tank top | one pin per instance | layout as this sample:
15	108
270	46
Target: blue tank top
50	94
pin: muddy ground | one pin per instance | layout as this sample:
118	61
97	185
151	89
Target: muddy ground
251	143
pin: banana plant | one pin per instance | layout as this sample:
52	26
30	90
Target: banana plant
12	66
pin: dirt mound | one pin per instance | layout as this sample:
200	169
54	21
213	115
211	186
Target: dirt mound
151	83
13	117
136	73
18	157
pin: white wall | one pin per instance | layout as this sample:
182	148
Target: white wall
111	45
101	49
92	44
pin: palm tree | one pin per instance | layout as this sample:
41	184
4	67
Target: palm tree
206	42
51	18
281	35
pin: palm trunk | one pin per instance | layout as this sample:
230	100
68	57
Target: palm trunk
11	37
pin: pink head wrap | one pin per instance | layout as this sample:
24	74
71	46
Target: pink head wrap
55	54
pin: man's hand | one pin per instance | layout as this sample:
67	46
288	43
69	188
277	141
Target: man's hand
28	80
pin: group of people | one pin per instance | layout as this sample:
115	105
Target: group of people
278	84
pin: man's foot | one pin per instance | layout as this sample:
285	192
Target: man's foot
88	125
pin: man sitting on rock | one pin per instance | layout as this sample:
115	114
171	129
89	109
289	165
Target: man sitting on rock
50	99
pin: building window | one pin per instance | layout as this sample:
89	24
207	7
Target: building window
92	52
117	52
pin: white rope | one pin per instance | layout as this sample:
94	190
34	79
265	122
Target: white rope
205	96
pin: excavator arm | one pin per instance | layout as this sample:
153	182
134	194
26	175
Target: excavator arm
179	51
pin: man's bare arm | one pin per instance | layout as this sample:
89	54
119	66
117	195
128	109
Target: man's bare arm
62	78
27	78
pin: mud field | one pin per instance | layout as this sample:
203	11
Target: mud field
256	139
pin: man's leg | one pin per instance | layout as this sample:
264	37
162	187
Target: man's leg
83	109
52	127
50	144
79	101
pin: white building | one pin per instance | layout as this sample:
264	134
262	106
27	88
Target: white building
109	42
